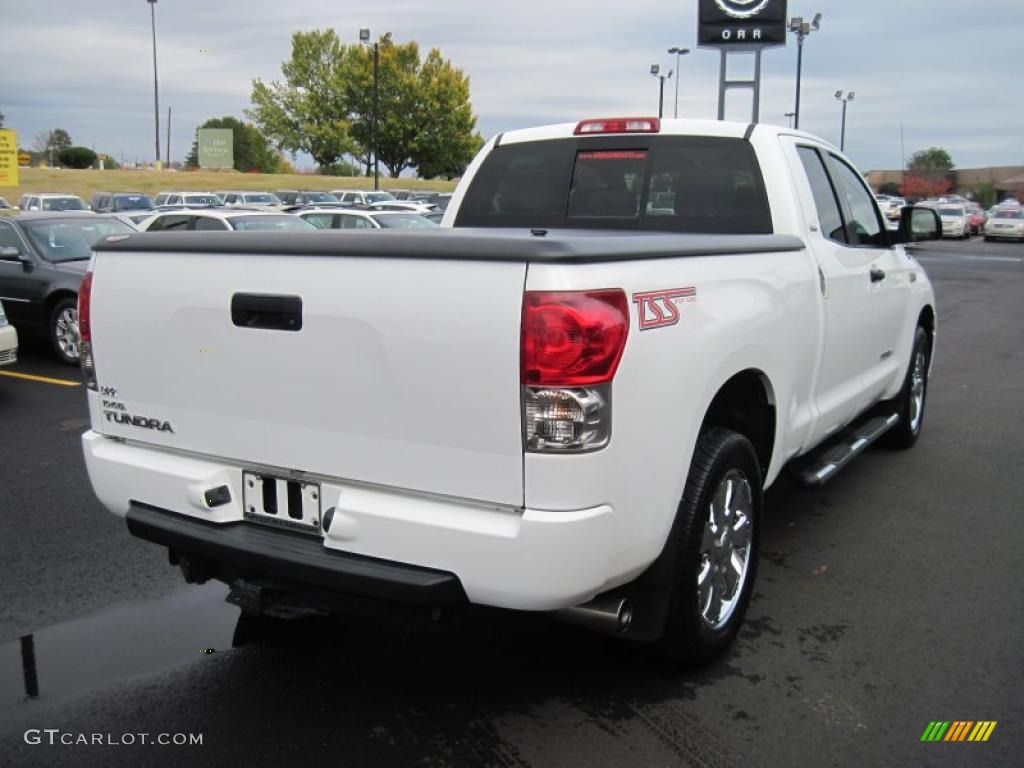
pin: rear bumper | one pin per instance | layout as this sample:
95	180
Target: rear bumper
294	557
509	558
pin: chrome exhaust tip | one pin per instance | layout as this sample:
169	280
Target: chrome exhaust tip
612	615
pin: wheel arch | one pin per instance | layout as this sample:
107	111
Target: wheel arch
746	403
53	299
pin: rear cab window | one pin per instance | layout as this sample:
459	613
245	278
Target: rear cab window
648	183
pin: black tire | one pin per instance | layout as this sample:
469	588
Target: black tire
906	432
688	636
988	239
65	341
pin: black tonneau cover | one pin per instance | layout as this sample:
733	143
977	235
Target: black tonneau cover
516	245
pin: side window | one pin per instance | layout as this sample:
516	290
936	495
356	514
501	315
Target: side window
9	238
864	227
319	220
362	223
174	200
174	222
829	219
209	224
349	222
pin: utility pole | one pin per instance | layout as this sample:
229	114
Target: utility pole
679	52
168	163
364	38
156	91
801	29
655	69
846	100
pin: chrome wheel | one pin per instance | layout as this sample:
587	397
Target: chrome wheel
918	375
65	333
725	550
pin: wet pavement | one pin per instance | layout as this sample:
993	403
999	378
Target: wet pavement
885	600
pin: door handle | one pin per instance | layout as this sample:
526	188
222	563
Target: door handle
877	275
268	311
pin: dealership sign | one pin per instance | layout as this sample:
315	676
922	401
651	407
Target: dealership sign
216	148
8	159
741	23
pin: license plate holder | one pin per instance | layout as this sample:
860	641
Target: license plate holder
282	502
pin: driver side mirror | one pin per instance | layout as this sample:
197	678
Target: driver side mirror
13	254
918	224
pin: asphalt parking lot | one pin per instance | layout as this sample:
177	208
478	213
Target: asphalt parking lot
887	599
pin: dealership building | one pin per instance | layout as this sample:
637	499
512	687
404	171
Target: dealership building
1006	180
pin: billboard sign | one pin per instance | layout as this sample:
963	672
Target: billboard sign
216	148
8	159
741	24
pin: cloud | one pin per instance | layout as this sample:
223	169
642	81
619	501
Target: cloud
938	68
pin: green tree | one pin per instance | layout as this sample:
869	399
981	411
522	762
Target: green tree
251	149
890	188
58	139
76	157
447	140
932	165
1	119
307	112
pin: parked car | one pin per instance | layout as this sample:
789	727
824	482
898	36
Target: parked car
187	200
121	202
956	222
333	218
42	259
48	201
298	197
1005	223
250	199
562	404
362	196
221	219
8	340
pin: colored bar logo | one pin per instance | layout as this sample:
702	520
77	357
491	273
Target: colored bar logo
958	730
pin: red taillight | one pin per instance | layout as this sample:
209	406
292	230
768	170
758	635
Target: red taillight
84	298
618	125
572	338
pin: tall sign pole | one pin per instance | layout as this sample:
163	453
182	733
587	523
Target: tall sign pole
156	92
741	26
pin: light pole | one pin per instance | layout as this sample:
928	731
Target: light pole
789	118
801	29
655	69
364	38
679	52
846	100
156	92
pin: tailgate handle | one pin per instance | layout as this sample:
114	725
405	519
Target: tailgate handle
269	311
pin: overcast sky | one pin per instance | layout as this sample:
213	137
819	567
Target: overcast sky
949	71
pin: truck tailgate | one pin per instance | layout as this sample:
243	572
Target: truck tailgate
404	373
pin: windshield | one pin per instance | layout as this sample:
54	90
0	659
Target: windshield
951	211
1009	215
71	239
63	204
379	197
403	221
284	221
262	198
202	200
132	203
321	197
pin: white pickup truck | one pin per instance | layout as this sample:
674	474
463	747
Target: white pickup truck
569	398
